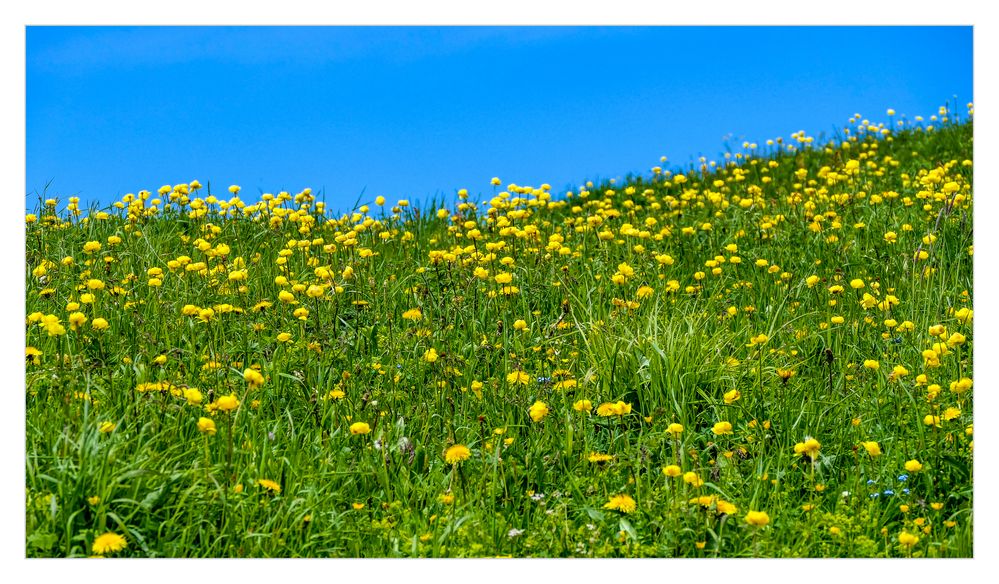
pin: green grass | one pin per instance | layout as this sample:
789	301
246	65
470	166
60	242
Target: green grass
173	491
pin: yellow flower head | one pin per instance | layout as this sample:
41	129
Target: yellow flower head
538	411
810	447
721	428
622	503
457	453
253	377
608	409
206	426
109	543
757	518
872	448
227	403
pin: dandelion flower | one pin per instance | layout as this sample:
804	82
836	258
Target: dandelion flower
253	378
109	542
907	539
227	403
757	518
872	448
206	426
457	453
622	503
721	428
538	411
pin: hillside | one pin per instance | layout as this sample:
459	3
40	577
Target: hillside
767	357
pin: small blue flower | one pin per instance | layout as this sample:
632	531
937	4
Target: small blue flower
906	491
875	495
871	481
544	380
889	492
903	478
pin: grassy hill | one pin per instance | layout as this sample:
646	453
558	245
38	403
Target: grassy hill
767	357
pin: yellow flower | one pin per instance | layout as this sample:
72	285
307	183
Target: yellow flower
613	409
691	478
520	325
721	428
253	377
430	356
33	355
457	453
757	518
872	448
227	403
206	426
622	503
675	429
907	539
672	471
99	324
284	337
269	485
913	465
76	320
359	428
583	405
106	427
193	396
538	411
414	314
962	385
518	377
109	542
597	457
732	396
872	364
810	447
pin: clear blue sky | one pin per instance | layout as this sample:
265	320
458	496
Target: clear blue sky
412	112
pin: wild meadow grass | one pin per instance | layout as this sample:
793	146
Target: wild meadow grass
770	356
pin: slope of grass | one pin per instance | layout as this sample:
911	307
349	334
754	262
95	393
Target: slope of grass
633	369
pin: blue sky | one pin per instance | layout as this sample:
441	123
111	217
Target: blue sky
414	112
